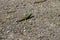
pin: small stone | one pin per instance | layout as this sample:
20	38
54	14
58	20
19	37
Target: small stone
29	21
23	32
8	17
8	31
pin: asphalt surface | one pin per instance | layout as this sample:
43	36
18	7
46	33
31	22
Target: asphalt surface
45	25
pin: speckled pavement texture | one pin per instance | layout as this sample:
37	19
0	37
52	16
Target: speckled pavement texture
45	25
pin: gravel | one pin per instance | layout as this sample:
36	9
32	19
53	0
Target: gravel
45	25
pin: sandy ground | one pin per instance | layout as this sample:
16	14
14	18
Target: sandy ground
45	25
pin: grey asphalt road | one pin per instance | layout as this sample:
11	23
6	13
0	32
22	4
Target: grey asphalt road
45	25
